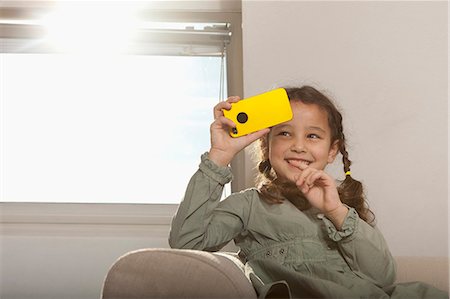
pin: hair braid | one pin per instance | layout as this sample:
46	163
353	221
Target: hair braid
265	168
345	160
351	191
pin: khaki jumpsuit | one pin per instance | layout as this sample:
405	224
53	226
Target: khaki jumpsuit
288	252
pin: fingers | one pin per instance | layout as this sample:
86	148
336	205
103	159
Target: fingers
224	122
219	107
224	105
233	99
309	178
303	175
301	180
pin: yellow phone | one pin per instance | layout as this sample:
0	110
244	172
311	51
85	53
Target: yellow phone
258	112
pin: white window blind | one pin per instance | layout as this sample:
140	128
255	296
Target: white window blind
111	27
147	38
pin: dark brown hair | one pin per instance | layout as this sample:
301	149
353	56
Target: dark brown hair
350	190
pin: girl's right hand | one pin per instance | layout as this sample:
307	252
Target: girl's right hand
223	146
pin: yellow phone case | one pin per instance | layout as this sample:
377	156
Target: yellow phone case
258	112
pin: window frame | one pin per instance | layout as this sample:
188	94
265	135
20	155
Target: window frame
27	213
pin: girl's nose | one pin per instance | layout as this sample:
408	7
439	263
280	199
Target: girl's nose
298	146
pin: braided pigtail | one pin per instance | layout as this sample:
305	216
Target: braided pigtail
266	176
351	191
265	172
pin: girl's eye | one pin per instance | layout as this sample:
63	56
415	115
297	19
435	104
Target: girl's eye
284	133
313	136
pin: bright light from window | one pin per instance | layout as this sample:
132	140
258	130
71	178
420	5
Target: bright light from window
103	128
93	28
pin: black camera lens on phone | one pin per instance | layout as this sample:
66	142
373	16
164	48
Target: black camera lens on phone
242	117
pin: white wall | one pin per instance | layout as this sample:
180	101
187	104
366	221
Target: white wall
53	251
64	251
385	64
68	261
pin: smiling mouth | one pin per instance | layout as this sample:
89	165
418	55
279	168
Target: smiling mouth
298	163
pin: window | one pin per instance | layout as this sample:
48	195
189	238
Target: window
84	121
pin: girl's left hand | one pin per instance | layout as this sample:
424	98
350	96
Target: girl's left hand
319	189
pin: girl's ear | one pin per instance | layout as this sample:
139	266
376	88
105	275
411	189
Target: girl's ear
334	149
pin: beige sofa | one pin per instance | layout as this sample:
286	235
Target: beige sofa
173	273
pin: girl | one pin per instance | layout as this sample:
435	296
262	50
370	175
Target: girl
300	235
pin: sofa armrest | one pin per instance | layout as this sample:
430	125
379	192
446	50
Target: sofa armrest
172	273
429	269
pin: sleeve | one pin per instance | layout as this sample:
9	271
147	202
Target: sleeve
364	249
202	221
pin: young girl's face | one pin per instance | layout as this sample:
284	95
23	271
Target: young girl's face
305	139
